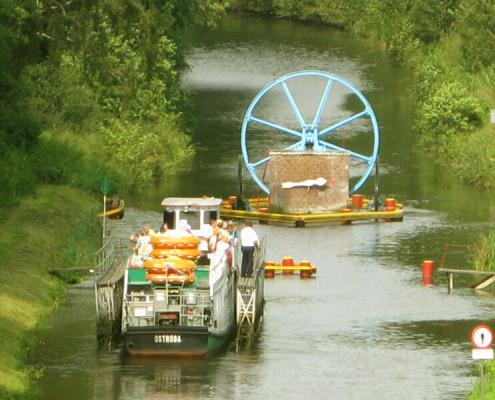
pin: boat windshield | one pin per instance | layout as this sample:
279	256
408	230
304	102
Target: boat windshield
191	218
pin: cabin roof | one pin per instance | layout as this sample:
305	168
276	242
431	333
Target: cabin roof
191	202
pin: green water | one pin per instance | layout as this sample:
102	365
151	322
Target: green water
365	328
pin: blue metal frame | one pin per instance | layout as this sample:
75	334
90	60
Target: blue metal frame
310	134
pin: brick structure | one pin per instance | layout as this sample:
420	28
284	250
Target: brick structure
301	166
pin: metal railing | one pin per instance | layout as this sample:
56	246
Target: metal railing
109	255
149	306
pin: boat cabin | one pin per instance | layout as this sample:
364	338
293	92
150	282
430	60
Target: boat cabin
197	212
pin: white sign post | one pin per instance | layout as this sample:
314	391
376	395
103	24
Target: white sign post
482	340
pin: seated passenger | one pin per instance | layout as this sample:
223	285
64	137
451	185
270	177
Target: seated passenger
188	230
163	229
148	231
144	246
135	241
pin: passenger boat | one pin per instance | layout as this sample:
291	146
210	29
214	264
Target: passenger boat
180	308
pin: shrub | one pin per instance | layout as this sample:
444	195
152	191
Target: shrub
476	26
145	150
54	161
475	159
17	178
448	111
403	43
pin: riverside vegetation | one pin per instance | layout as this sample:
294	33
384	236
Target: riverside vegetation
88	89
450	48
448	44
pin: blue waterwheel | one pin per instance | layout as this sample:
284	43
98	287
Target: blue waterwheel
311	133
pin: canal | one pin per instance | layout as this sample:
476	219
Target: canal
365	328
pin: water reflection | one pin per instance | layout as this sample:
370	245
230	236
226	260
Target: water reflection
153	378
447	334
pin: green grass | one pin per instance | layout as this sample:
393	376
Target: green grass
484	255
38	235
488	384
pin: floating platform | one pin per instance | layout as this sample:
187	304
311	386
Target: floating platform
288	267
390	211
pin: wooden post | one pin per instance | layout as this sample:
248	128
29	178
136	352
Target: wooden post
481	382
451	282
485	282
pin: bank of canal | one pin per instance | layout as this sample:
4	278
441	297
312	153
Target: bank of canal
365	327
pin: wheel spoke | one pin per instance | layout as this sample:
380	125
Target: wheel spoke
259	163
293	104
341	149
323	101
346	121
275	126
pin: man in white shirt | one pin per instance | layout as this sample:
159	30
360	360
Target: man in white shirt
249	242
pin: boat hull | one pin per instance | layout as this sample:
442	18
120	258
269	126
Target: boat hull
174	341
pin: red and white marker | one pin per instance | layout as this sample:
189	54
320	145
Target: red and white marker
482	340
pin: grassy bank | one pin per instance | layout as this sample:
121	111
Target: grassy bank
488	384
57	227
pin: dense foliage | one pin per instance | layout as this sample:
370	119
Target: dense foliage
92	88
449	44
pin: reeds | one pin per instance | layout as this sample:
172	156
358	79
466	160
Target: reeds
483	256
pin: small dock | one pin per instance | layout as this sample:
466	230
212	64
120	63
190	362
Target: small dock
488	277
288	267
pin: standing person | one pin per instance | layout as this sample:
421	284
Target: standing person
232	229
249	242
212	241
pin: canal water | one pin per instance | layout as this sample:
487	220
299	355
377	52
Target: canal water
365	328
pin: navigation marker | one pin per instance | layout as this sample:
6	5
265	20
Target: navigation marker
482	340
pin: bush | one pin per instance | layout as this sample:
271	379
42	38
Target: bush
448	111
54	161
17	178
477	24
475	159
145	150
403	43
428	76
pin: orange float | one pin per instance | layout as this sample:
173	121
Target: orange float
189	254
390	204
159	264
173	242
171	276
